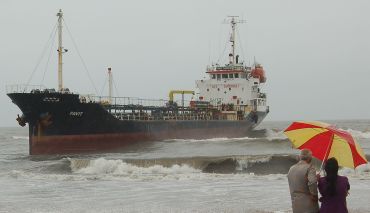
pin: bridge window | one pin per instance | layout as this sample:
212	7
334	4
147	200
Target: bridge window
230	75
224	76
236	75
218	76
213	76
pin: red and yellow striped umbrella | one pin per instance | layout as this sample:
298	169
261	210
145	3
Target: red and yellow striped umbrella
326	141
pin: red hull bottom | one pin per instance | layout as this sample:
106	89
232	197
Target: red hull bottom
68	144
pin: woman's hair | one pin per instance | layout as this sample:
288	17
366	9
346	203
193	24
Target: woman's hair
331	169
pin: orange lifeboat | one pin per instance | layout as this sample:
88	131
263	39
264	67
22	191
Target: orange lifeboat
258	72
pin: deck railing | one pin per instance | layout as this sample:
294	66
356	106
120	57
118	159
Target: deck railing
133	101
23	88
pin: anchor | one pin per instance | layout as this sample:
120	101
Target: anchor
21	120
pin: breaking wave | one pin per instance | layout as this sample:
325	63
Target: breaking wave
272	134
259	165
273	167
269	134
210	140
118	167
359	134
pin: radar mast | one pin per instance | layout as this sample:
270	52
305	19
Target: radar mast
233	21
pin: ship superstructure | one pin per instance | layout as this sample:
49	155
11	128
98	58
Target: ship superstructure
234	85
228	104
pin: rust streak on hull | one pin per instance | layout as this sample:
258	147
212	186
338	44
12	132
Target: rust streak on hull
63	144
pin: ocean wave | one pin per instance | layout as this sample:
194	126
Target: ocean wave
361	172
171	169
272	134
259	165
359	134
119	167
210	140
232	167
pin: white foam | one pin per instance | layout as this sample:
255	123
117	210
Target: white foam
20	137
279	135
210	140
361	172
243	163
103	166
275	135
359	134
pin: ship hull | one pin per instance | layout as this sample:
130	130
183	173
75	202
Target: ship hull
64	144
61	124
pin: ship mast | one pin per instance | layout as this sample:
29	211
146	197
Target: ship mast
60	51
233	23
110	80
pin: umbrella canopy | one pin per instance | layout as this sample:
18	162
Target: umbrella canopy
326	141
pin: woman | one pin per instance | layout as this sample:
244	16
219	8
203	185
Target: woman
334	189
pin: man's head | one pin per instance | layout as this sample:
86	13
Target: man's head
306	155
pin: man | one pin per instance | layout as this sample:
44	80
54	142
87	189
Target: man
303	185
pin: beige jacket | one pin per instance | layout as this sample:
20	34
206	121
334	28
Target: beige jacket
303	188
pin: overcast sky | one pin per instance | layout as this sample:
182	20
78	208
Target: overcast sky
316	53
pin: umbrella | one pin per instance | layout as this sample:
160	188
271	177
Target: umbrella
326	141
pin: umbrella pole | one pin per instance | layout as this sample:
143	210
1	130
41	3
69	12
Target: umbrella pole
327	152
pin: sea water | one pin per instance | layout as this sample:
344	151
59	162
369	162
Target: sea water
213	175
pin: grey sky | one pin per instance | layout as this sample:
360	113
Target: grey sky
316	53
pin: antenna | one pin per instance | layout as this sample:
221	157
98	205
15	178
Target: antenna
233	20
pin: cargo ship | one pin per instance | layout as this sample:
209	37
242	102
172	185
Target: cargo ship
228	103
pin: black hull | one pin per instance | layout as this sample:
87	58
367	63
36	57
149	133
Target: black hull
61	123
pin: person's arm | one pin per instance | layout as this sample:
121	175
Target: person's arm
348	186
320	186
312	183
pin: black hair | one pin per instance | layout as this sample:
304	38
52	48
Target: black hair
331	169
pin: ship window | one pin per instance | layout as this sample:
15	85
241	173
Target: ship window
207	90
230	75
213	76
236	75
229	89
224	76
218	89
218	76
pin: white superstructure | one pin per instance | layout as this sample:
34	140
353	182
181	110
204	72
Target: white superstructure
234	83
